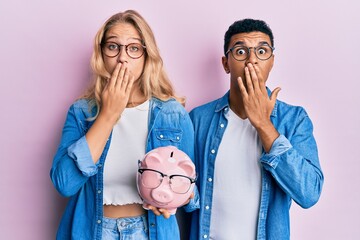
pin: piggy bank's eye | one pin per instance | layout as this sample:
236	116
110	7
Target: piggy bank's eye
150	178
180	184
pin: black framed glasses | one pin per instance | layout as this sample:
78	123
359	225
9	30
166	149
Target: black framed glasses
151	178
133	50
241	52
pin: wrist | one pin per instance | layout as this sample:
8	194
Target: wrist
108	119
267	134
264	126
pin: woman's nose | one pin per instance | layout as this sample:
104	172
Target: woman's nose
122	57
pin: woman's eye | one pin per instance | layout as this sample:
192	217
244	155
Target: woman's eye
133	48
112	46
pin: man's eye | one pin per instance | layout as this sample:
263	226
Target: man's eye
240	51
262	51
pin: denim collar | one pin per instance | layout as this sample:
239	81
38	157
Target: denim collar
155	102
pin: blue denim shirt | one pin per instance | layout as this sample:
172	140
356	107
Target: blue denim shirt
290	171
75	175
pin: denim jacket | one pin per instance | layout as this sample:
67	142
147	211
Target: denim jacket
75	175
290	171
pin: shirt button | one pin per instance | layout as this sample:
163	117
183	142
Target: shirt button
222	125
99	221
99	191
212	151
210	179
100	165
205	236
152	224
177	138
207	207
161	136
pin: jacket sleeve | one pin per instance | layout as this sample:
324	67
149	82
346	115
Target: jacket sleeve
293	162
72	165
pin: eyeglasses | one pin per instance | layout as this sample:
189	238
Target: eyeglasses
151	178
133	50
241	53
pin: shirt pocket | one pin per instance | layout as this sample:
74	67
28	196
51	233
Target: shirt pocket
168	136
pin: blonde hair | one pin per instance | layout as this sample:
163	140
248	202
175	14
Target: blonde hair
154	81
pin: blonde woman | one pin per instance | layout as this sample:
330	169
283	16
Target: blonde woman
129	110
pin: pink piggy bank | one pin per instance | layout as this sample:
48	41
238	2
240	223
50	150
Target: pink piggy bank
165	178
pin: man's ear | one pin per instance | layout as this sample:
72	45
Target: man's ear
225	64
272	62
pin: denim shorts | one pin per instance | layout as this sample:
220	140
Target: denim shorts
135	228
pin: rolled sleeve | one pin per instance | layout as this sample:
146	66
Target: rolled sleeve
80	153
280	145
194	202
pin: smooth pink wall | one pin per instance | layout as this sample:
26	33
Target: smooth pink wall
45	48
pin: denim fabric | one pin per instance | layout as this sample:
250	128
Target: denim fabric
74	174
290	171
132	228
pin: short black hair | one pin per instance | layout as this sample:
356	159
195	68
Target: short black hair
245	26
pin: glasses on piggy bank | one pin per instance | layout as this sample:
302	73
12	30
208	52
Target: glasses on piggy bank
165	178
151	178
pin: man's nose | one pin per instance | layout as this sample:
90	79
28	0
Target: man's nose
252	57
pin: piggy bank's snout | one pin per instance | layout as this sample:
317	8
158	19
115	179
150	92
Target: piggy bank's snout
162	196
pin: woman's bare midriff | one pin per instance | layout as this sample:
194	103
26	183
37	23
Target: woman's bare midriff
129	210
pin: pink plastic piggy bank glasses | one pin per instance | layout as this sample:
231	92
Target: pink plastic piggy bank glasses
166	178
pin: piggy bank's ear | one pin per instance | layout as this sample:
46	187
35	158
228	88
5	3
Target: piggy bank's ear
152	158
188	167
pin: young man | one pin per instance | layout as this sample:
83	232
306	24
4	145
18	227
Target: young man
254	154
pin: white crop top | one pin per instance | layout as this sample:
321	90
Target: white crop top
126	148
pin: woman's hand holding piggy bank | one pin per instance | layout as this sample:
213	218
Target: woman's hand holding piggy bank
165	179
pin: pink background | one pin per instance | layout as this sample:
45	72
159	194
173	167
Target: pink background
45	48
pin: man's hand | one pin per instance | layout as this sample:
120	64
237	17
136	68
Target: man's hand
258	105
